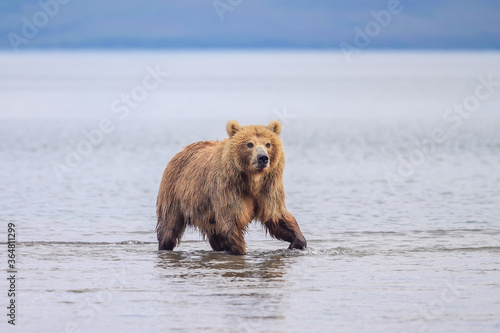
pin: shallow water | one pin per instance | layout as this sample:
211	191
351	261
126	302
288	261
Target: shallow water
390	249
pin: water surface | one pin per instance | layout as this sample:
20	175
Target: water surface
388	251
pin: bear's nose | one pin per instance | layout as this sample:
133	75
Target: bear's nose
262	159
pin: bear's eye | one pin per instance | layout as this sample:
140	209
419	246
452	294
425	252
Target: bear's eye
268	145
250	145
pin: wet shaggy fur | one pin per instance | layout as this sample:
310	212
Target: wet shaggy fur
219	187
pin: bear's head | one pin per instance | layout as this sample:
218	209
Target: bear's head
255	148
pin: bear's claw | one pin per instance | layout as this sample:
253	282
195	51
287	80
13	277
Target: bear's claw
298	243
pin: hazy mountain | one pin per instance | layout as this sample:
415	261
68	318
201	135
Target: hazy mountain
446	24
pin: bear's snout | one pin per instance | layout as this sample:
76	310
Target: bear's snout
262	159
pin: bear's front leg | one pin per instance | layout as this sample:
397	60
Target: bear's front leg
235	243
287	229
216	242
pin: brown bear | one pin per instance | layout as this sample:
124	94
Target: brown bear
219	187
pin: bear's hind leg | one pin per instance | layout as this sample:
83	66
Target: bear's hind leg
167	242
169	232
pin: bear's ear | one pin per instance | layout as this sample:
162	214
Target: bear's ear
232	127
275	126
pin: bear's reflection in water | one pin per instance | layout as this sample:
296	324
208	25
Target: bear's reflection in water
179	265
247	289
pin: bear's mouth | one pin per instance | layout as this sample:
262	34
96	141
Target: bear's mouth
260	167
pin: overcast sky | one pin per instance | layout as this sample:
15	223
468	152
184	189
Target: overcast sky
444	24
